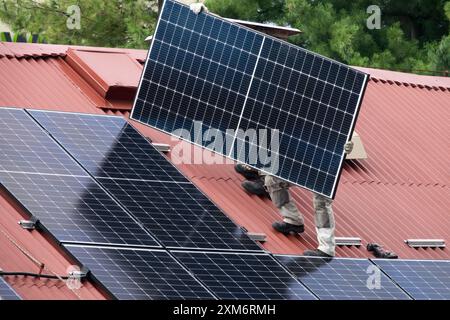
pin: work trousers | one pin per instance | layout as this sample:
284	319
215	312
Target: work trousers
323	212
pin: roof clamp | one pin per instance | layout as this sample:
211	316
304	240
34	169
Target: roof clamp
425	243
348	241
161	147
29	224
78	274
256	236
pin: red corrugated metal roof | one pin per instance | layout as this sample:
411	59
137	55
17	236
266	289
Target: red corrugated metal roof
401	191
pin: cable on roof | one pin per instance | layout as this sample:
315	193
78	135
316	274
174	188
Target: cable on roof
41	265
30	274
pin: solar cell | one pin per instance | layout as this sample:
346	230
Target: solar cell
202	68
6	292
243	276
179	215
342	279
137	274
26	147
75	209
107	146
422	279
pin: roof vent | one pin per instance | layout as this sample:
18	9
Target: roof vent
113	76
425	243
348	241
358	152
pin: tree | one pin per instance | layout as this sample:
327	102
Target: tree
413	34
113	23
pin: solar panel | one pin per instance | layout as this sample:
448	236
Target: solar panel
75	209
202	68
6	292
422	279
179	215
107	147
342	279
25	147
130	274
243	276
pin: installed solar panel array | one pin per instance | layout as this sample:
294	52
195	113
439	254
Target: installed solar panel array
202	68
162	200
114	223
6	292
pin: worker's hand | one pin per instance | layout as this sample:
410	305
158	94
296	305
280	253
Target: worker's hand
198	7
348	147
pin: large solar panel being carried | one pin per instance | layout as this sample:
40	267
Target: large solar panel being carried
422	279
144	182
342	279
6	292
204	69
139	274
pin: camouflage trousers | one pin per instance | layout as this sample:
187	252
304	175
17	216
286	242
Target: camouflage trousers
323	212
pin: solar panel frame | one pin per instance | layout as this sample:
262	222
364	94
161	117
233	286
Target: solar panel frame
342	278
232	276
322	176
75	209
139	274
421	279
7	292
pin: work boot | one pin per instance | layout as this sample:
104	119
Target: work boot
316	253
287	228
247	171
255	187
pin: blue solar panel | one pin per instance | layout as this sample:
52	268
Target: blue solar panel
75	209
179	215
342	279
243	276
107	146
422	279
130	274
6	292
202	68
25	147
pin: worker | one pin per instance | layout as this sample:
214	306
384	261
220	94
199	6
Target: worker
293	222
278	190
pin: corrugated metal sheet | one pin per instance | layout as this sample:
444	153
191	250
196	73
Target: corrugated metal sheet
401	191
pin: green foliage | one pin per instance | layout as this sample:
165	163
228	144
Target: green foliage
113	23
413	34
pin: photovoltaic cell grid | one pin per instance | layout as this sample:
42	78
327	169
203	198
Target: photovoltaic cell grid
342	279
179	215
130	274
204	68
6	292
422	279
108	147
25	147
243	276
150	187
75	209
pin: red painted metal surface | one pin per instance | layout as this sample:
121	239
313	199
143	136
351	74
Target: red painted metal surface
401	191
